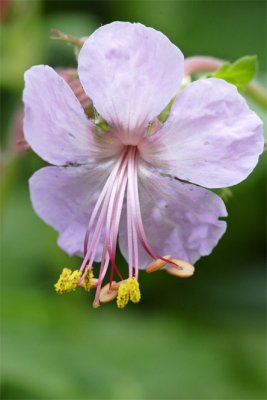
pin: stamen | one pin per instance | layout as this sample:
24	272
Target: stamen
183	269
135	205
136	252
114	212
105	219
107	294
109	206
116	285
135	294
67	281
103	269
123	295
157	264
129	234
87	279
108	185
128	290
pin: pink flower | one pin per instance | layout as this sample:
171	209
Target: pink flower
121	185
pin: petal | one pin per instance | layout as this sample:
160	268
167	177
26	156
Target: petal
211	138
55	125
130	72
64	198
180	220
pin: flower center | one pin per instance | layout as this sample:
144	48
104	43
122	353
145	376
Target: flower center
104	222
103	229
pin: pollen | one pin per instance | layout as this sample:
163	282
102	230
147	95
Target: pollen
128	290
123	295
67	281
87	281
135	294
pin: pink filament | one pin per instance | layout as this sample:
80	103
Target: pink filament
105	220
107	186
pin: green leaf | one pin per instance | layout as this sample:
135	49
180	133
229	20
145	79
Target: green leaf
239	73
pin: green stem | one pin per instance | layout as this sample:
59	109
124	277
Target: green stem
66	38
257	93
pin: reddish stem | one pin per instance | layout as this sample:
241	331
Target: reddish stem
201	63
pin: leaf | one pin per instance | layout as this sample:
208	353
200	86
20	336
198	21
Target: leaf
239	73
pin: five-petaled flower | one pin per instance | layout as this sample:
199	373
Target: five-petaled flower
125	184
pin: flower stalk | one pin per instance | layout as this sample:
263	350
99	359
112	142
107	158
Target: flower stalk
63	37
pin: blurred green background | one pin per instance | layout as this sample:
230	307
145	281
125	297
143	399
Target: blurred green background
201	338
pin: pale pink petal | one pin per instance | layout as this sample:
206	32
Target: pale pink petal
130	72
211	138
55	125
180	220
64	198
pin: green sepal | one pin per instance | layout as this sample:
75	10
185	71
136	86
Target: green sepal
225	194
239	73
163	116
100	123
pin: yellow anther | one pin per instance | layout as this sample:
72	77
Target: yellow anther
67	281
157	264
123	295
128	290
183	269
134	290
87	281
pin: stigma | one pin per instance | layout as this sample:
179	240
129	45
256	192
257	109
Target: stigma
120	190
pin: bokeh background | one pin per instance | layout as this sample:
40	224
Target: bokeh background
201	338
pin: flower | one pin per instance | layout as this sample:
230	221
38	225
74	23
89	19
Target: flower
121	185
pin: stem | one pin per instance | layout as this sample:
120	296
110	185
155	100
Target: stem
209	64
57	35
201	63
257	93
